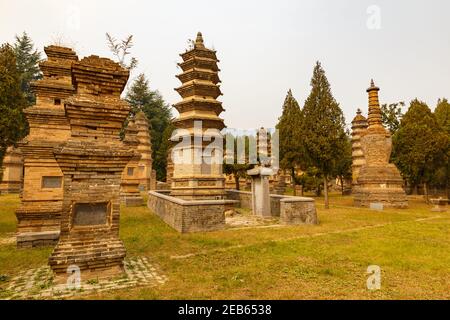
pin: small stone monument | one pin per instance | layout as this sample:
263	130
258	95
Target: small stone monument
260	190
92	161
12	171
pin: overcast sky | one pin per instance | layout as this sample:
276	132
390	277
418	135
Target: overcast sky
264	47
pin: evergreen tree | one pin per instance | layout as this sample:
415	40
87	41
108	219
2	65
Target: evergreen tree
158	113
442	113
28	64
419	145
442	175
391	115
290	137
344	163
323	128
12	100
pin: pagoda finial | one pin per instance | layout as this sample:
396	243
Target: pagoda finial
374	116
358	111
199	41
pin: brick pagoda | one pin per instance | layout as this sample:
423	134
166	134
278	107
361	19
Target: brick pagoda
378	182
144	147
359	125
198	176
39	213
92	161
129	193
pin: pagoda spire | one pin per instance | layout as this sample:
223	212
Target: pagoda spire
199	41
374	116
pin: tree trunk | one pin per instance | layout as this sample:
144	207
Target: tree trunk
293	181
425	192
342	185
415	191
325	191
236	181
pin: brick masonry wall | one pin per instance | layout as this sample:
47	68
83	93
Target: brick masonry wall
291	210
188	216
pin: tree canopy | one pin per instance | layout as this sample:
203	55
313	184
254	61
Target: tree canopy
419	145
290	136
323	128
27	59
12	100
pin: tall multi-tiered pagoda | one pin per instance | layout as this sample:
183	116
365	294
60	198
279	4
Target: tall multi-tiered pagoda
39	213
378	182
144	147
197	172
359	125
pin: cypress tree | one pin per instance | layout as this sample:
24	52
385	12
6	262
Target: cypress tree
419	145
12	100
290	137
323	128
28	64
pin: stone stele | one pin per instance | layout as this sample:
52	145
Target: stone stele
378	182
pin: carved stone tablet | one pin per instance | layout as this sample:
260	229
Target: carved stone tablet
87	214
51	182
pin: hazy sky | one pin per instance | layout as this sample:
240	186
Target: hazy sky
264	47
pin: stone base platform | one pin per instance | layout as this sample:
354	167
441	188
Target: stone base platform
37	239
93	257
290	210
189	215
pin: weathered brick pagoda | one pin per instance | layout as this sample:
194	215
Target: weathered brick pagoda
199	176
39	213
129	192
92	161
12	171
359	126
378	182
144	147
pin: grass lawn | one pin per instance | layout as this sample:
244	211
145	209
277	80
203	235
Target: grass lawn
328	261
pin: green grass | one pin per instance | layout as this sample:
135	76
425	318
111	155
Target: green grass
327	261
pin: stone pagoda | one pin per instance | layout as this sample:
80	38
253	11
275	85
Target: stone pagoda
198	172
92	161
12	168
129	193
144	147
379	182
359	125
40	210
